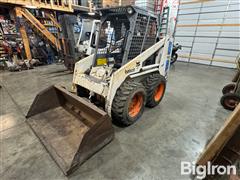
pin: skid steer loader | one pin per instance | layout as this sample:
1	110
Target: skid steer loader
84	47
127	72
77	44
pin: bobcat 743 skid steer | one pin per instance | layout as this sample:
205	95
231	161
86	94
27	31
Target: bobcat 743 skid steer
127	72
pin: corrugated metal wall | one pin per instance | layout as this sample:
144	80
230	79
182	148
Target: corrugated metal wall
209	31
146	4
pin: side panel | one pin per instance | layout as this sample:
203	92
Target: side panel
81	66
132	67
166	58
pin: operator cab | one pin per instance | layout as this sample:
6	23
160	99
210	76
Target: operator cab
125	32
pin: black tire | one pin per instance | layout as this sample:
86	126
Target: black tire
82	92
123	100
174	58
151	84
230	101
228	88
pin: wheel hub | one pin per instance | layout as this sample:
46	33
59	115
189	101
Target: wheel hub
159	92
135	105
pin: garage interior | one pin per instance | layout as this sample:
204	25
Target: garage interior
190	124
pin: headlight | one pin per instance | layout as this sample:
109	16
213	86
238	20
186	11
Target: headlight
129	10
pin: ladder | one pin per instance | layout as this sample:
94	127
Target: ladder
163	22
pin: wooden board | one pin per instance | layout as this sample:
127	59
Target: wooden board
221	138
65	6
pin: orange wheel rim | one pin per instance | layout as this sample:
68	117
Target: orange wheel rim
135	105
159	92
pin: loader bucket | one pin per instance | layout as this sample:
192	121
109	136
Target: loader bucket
70	128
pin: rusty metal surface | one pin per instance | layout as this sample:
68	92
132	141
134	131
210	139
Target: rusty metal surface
231	151
70	128
229	155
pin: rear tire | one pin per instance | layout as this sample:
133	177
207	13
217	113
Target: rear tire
155	85
228	88
230	101
128	103
174	58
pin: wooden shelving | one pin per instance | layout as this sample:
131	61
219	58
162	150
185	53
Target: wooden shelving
2	51
57	5
48	22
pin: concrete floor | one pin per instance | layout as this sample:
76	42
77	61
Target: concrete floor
153	148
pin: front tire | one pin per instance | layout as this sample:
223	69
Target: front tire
128	104
230	101
155	85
